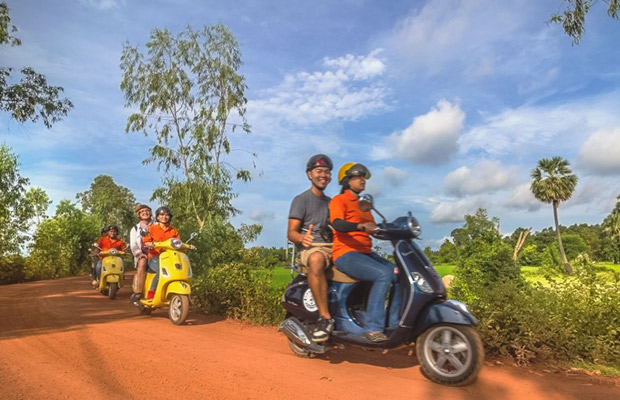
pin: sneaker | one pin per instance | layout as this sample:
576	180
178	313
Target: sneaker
135	299
322	329
95	283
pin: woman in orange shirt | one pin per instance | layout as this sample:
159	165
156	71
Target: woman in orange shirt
352	250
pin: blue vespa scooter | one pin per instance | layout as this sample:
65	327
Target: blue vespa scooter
448	347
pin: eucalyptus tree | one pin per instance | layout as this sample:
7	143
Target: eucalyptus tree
187	94
32	98
573	17
553	182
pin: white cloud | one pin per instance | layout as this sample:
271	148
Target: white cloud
456	211
600	153
557	127
103	4
261	215
521	197
485	176
394	176
431	138
348	89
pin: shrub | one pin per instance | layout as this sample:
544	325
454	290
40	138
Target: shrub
234	290
575	318
11	269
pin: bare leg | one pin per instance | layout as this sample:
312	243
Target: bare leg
138	280
318	282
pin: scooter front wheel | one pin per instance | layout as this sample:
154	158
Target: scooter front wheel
179	308
112	290
450	354
299	351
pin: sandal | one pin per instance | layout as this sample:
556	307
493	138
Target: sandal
376	337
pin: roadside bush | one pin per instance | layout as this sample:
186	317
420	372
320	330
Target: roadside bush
575	318
11	269
234	290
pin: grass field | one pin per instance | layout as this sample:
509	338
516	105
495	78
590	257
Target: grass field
282	276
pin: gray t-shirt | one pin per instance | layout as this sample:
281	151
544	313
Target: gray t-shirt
310	209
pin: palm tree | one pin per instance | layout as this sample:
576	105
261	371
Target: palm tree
553	182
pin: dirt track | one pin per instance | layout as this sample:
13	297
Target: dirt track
62	340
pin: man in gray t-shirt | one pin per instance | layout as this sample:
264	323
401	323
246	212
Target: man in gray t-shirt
308	228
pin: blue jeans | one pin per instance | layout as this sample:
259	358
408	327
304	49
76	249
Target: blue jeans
371	267
153	265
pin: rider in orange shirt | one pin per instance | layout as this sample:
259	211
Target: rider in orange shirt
110	241
157	233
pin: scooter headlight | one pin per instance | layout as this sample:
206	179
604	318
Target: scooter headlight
113	252
176	243
414	226
421	282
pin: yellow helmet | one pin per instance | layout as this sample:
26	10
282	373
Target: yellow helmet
352	169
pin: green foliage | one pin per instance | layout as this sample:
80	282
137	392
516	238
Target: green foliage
61	244
12	269
109	203
235	291
574	318
17	206
32	98
573	17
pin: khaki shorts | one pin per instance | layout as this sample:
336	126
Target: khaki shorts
304	255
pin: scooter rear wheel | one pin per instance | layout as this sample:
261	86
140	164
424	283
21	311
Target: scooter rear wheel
450	354
179	308
112	291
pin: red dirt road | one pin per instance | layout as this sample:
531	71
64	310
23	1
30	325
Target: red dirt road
62	340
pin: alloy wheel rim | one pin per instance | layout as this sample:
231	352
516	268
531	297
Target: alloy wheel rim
449	351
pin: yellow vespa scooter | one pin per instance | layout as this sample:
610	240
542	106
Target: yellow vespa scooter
112	272
173	288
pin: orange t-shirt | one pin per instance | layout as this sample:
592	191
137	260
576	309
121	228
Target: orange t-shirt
107	243
159	234
345	207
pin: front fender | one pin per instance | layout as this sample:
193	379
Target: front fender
445	312
178	287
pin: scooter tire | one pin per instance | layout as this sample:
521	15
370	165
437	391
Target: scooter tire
466	361
112	291
179	308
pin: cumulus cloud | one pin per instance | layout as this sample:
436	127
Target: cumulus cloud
261	215
456	211
431	138
485	176
600	153
522	198
348	89
394	176
103	4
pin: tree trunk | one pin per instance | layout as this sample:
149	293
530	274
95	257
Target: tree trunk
567	267
520	242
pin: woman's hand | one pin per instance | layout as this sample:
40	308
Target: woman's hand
368	227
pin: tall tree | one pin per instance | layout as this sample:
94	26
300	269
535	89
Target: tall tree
17	205
32	98
554	182
110	203
186	88
573	18
611	228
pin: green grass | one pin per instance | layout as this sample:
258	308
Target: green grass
605	370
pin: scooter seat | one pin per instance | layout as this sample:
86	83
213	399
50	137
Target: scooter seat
334	274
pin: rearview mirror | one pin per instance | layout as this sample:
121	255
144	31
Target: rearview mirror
366	202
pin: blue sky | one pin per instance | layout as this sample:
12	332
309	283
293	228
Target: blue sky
449	103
